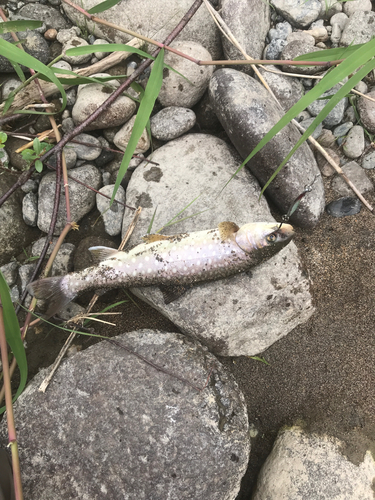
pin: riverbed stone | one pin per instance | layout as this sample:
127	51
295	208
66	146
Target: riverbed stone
33	43
154	19
171	122
122	138
249	21
356	6
176	90
50	16
241	315
355	142
91	96
359	29
247	113
154	436
300	15
295	48
358	177
112	214
288	90
82	199
366	109
305	465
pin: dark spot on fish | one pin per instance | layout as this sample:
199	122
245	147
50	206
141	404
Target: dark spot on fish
154	174
158	258
180	87
143	200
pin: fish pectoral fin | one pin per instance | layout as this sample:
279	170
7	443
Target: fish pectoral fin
151	238
227	230
98	254
174	292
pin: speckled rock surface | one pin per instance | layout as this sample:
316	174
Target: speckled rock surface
357	175
172	122
111	426
229	316
247	113
299	14
303	465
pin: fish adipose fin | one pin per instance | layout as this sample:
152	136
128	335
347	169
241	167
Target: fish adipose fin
50	289
98	254
227	230
173	292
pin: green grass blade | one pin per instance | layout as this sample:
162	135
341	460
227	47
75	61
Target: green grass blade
336	98
152	90
152	221
336	75
13	335
19	56
18	70
19	26
101	7
110	47
329	54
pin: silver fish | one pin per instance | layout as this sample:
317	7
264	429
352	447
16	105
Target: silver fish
176	261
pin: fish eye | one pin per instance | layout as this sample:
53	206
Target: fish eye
271	238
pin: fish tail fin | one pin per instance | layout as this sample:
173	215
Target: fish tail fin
51	289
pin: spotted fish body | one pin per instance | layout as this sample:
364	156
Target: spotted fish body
170	260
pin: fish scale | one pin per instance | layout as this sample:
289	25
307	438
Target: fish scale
170	260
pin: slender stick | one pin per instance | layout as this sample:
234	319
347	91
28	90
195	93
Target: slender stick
10	415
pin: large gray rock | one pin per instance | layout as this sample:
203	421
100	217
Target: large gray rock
50	16
299	14
186	90
366	109
249	21
303	465
154	19
247	112
14	233
82	199
287	89
242	315
359	29
111	426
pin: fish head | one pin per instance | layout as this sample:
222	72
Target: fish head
263	239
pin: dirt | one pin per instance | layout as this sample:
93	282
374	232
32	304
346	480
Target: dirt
321	375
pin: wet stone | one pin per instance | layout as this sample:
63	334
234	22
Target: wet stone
344	206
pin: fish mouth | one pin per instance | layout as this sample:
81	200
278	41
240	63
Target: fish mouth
286	231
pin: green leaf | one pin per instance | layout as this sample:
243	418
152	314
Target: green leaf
110	47
38	166
152	90
18	70
336	75
101	7
19	26
13	335
329	54
19	56
37	146
3	137
261	359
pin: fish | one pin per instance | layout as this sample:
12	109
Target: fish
175	262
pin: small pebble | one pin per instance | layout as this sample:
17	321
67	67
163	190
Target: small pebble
50	34
342	130
344	206
368	161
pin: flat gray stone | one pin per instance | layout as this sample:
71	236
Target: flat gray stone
241	315
112	215
176	90
154	437
355	142
33	43
368	161
295	48
247	113
63	263
340	19
356	6
249	21
82	199
154	19
172	122
10	272
336	115
50	16
30	209
359	29
73	43
299	14
357	175
366	109
91	96
86	152
122	137
303	465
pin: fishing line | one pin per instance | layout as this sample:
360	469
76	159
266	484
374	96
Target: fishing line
285	218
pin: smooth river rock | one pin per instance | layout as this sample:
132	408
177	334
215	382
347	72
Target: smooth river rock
247	112
112	426
241	315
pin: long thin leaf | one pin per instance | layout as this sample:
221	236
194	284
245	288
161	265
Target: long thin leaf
20	25
329	54
336	75
13	335
19	56
101	7
152	90
110	47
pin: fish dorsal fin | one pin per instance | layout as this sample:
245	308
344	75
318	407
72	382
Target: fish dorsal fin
98	254
151	238
227	230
